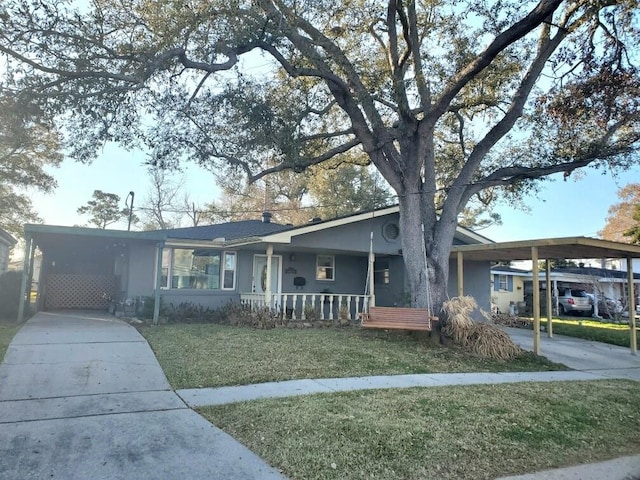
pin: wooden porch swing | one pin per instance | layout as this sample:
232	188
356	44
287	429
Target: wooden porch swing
396	318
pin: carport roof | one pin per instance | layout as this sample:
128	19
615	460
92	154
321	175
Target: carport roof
548	248
54	236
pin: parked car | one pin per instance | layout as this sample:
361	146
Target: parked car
607	307
573	301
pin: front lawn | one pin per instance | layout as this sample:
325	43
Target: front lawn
466	432
605	332
206	355
7	330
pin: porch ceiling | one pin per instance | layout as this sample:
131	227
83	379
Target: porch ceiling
548	248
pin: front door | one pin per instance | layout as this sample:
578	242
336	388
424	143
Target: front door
259	284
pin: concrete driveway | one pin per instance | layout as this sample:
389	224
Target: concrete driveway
84	397
583	355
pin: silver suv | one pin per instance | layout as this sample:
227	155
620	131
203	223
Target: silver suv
573	300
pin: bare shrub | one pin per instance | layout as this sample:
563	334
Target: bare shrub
482	339
488	341
458	312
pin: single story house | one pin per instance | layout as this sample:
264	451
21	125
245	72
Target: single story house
7	242
507	288
512	288
323	264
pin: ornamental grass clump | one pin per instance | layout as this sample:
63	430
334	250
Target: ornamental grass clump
458	312
482	339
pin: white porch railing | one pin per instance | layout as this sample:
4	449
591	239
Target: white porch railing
300	306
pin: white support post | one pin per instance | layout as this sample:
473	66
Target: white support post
372	261
267	290
549	304
536	301
460	274
632	308
156	297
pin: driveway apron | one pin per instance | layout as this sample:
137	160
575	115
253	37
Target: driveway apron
83	396
582	355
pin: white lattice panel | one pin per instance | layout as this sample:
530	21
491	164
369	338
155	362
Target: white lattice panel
92	292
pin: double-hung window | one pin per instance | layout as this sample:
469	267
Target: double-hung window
325	267
198	269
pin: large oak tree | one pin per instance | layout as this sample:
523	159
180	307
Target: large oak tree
451	101
27	147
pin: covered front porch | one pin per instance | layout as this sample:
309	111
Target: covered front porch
302	284
303	306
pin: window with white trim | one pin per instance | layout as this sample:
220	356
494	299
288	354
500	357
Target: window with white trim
229	271
325	267
503	283
198	269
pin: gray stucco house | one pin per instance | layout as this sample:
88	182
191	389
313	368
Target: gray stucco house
324	264
7	242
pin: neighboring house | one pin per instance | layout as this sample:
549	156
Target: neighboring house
507	288
603	281
7	242
510	284
323	264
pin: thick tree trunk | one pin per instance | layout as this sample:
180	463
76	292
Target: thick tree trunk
425	290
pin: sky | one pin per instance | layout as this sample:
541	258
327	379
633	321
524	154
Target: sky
576	207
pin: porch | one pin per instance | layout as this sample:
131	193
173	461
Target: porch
305	306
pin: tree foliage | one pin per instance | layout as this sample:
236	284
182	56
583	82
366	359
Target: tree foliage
450	101
620	218
323	191
633	232
104	209
27	147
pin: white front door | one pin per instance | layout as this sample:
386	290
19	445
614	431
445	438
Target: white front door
259	284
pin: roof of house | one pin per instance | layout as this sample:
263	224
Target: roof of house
509	270
595	272
228	234
227	231
287	232
6	238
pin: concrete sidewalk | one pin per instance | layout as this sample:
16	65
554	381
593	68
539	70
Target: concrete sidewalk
84	397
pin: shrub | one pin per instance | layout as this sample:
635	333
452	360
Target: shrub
10	284
482	339
145	306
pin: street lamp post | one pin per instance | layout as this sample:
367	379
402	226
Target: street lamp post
132	195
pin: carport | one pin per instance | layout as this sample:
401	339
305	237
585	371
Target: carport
82	268
549	249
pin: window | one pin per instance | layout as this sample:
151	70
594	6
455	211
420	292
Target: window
381	274
325	266
229	272
502	282
199	269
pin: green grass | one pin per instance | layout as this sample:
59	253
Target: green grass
7	331
468	432
206	355
612	333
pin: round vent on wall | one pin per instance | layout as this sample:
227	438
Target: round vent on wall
391	231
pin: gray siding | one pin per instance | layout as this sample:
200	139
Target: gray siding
207	298
353	237
142	268
393	293
476	283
